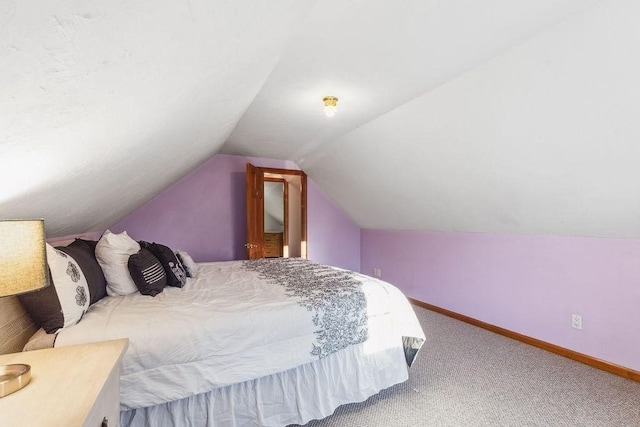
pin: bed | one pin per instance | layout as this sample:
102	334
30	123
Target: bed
267	342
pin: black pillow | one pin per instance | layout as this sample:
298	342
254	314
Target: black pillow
176	275
84	254
91	243
147	272
44	307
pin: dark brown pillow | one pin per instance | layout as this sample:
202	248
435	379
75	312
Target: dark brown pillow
44	307
147	272
176	275
91	243
84	253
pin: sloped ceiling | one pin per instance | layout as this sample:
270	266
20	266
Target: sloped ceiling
105	103
496	116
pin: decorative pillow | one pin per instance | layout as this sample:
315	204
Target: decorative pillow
147	273
84	254
176	276
113	252
190	267
65	300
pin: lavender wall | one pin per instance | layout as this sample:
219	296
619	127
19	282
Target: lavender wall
527	284
204	214
334	238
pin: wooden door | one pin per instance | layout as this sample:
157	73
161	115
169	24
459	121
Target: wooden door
255	212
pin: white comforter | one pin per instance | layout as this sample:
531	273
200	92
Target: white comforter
224	327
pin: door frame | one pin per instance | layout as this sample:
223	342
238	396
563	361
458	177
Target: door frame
254	212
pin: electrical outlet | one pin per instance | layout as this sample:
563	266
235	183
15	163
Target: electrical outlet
576	321
377	272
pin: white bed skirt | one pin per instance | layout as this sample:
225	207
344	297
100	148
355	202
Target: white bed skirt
297	396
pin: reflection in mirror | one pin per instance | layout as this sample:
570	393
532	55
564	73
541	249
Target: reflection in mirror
273	207
274	217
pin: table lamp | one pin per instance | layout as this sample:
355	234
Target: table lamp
23	268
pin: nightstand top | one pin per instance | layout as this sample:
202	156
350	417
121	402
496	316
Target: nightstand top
65	383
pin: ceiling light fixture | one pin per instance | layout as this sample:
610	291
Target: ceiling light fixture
330	105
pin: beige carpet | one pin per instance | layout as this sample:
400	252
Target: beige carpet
466	376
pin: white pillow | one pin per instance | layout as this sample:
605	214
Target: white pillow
187	262
70	283
113	252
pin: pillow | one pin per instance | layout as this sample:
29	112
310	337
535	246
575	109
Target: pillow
40	340
147	273
90	243
176	276
83	253
113	252
190	267
65	300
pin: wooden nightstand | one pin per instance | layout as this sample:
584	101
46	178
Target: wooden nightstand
272	245
70	386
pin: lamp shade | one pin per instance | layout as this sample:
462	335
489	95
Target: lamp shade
23	256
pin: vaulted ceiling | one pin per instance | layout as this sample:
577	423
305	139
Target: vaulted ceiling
495	116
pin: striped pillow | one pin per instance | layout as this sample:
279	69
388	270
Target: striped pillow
147	272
